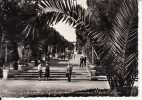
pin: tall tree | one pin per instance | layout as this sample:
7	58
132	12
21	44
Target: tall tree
113	37
113	34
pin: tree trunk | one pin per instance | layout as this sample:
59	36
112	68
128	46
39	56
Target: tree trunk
20	51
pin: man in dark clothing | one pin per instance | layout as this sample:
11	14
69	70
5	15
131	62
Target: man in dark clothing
81	61
1	71
47	71
84	60
69	72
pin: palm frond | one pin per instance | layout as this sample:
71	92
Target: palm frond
121	26
64	10
123	35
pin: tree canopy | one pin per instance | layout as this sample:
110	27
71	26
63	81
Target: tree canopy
110	25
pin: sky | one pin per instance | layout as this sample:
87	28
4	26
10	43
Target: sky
65	29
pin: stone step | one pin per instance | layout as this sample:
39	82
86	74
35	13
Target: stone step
50	78
53	74
56	73
21	75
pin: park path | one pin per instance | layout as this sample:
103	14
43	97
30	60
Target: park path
77	72
57	83
57	71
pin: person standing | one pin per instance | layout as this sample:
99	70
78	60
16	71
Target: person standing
47	71
43	58
19	66
1	71
69	72
81	61
75	53
40	70
63	54
85	58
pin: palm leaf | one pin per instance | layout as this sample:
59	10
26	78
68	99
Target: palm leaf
122	36
122	24
71	13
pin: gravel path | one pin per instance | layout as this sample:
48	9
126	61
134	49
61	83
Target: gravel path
18	88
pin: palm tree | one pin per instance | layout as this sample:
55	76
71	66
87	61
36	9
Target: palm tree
113	36
113	43
119	54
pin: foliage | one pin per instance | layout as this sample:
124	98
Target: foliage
113	35
49	37
112	31
119	54
20	22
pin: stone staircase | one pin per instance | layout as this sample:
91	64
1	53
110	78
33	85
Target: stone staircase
56	73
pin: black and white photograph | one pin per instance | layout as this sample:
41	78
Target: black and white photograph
69	48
